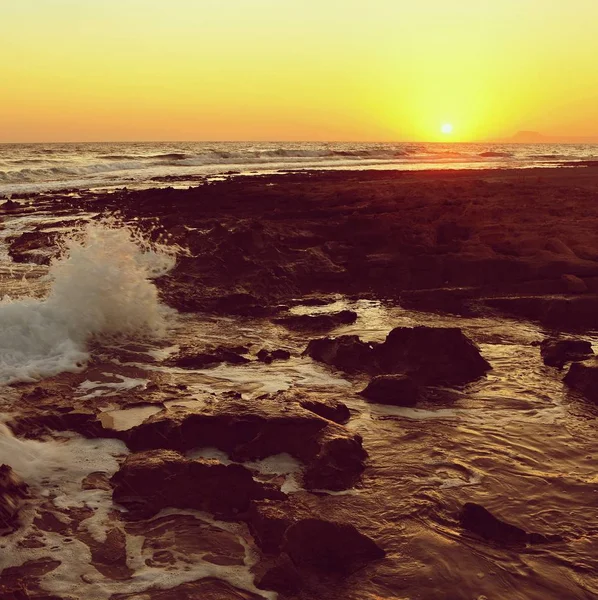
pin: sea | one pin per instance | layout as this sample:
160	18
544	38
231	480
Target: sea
29	168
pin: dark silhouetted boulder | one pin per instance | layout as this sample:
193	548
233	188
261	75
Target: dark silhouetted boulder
269	356
149	481
255	429
321	322
278	574
329	546
346	352
431	355
555	352
190	359
398	390
583	377
329	408
338	461
476	519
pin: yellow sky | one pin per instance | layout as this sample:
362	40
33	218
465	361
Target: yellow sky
90	70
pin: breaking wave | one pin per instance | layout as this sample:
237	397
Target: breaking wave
101	289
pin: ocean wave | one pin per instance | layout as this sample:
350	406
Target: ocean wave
52	173
494	154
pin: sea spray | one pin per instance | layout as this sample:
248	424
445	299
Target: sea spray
100	288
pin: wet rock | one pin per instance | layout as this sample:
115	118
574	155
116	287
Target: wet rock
188	359
202	589
12	493
476	519
329	408
242	304
571	313
10	205
318	322
431	355
574	284
269	356
398	390
246	430
583	377
252	430
337	462
557	352
329	546
278	574
166	537
149	481
346	352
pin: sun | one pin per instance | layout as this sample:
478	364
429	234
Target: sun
447	129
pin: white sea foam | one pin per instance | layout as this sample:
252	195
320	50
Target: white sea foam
101	288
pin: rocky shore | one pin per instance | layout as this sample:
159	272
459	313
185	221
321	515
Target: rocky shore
453	314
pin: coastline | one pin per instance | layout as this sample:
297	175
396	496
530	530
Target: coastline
433	239
271	269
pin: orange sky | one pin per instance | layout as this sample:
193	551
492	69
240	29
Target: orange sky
92	70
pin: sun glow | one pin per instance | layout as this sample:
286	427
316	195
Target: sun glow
447	129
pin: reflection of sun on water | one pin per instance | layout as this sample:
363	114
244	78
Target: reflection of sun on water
447	129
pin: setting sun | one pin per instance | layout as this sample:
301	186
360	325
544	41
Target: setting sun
447	129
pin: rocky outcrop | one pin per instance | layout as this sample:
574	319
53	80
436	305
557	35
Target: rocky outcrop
269	356
12	493
346	352
329	546
569	313
321	322
480	521
328	408
190	359
429	355
398	390
254	429
149	481
557	352
310	541
583	377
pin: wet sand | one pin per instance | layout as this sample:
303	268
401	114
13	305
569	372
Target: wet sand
509	257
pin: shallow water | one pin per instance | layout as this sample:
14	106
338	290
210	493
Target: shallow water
516	441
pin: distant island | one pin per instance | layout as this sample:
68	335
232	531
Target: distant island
535	137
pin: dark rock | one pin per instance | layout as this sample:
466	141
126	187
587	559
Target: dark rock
203	589
337	462
329	408
398	390
269	520
574	284
431	355
318	322
329	546
10	205
346	352
557	352
334	456
12	493
583	377
149	481
278	574
571	313
268	356
478	520
188	359
242	304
